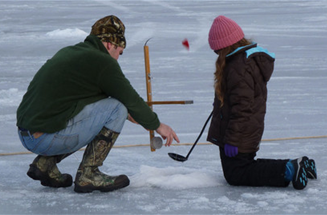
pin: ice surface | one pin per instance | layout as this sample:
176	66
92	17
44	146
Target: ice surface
32	31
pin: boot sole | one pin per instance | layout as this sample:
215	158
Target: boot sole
91	188
300	181
310	167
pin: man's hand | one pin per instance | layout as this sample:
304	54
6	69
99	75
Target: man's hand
168	133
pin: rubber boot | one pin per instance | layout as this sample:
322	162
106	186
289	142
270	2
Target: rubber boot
88	176
44	168
59	158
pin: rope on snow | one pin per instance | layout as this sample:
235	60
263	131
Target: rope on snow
183	144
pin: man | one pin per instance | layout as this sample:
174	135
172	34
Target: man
81	97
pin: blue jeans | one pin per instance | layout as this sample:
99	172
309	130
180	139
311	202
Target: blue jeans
80	130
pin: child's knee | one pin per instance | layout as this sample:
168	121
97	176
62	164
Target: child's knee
232	178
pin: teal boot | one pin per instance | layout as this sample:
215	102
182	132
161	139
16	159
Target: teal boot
296	172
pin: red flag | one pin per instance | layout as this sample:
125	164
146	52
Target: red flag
186	44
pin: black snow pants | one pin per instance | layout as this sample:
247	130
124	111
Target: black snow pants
244	170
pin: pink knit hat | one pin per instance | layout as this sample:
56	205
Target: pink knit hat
224	32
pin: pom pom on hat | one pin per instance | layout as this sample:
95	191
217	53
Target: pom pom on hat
224	32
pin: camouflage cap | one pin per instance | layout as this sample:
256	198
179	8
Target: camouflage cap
110	29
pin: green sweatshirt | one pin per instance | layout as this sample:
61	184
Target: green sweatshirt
73	78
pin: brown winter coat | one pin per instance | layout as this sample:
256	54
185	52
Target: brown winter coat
240	121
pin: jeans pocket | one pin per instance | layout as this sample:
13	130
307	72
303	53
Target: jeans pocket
62	144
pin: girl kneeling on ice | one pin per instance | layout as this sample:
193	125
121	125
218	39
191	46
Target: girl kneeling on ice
242	72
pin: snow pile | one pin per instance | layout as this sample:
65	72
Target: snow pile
10	97
67	33
173	178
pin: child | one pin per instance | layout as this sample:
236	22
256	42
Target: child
242	72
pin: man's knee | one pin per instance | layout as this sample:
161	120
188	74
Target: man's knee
121	110
118	115
117	108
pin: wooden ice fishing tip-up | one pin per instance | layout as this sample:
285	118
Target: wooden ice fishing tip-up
149	90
